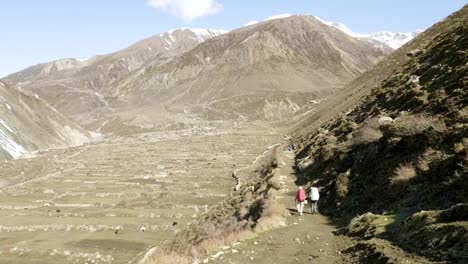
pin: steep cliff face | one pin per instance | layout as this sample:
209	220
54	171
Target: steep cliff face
27	124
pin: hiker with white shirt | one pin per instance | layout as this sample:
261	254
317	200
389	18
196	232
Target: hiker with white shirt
314	197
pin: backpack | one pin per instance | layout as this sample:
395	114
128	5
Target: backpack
300	196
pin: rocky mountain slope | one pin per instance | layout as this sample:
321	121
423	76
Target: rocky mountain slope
75	86
27	124
400	150
268	71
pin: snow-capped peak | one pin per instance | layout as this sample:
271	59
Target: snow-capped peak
341	27
198	34
277	16
204	34
82	59
393	40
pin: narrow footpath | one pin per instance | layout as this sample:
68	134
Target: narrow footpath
305	239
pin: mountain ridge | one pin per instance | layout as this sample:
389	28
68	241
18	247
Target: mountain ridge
226	70
258	57
89	79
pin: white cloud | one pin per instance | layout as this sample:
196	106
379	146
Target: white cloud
278	16
188	10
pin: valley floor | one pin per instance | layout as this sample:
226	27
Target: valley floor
91	204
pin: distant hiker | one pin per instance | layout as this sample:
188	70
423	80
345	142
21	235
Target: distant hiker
289	148
314	196
300	200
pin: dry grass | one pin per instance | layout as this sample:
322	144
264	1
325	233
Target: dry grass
429	156
250	209
423	164
369	132
170	258
341	187
275	183
211	245
403	174
273	216
415	124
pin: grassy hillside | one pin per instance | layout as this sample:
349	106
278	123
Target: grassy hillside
402	149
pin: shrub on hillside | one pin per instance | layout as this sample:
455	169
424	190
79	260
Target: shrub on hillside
408	125
367	133
403	174
440	234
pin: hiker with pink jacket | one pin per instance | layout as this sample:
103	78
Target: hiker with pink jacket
300	200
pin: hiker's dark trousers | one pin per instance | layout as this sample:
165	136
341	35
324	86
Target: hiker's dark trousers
314	207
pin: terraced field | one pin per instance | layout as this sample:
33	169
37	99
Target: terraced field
109	202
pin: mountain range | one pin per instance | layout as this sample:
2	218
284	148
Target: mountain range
267	71
273	70
381	132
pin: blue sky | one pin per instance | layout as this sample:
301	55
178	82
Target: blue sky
36	31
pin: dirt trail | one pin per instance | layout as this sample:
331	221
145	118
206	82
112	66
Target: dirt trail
305	239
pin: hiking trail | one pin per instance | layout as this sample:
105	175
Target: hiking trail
305	239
